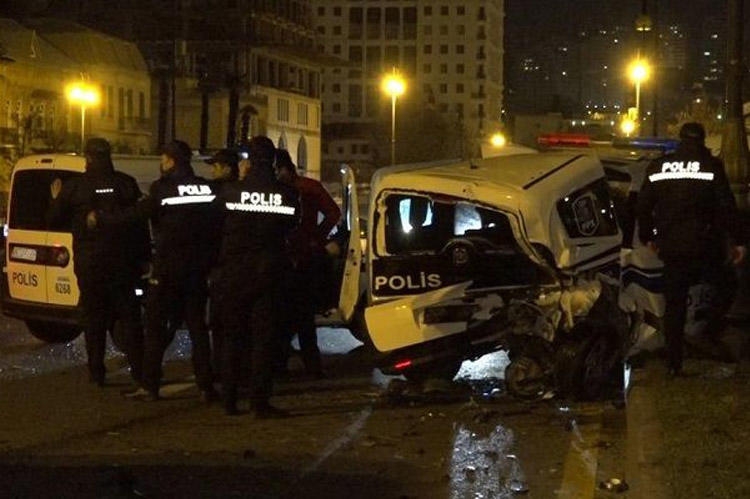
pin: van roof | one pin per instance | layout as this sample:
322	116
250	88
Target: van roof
527	184
145	169
512	175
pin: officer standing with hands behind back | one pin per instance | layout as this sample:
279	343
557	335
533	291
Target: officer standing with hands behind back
686	211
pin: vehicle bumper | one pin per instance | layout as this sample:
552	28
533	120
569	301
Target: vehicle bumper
27	310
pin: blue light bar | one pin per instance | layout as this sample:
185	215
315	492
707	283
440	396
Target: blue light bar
661	144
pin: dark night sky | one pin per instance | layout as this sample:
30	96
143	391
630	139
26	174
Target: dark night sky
562	15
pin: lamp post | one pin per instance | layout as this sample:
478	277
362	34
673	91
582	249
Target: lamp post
639	71
395	86
85	95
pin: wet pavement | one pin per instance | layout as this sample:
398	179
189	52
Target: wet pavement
358	433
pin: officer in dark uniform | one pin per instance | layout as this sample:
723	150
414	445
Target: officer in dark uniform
107	261
686	211
224	170
179	205
259	212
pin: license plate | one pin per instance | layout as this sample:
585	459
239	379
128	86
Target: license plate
21	253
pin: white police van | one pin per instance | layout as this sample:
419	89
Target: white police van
38	285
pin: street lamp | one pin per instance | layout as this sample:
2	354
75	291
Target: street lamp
498	140
395	86
639	71
85	95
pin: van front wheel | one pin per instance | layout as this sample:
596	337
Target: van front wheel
52	332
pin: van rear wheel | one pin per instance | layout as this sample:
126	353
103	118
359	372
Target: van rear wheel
53	332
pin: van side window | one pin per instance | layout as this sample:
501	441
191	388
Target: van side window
420	224
31	198
588	212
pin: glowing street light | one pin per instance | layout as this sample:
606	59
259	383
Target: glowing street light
627	126
395	86
639	71
84	95
498	140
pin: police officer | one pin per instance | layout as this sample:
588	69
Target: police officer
685	212
259	213
179	205
224	169
107	261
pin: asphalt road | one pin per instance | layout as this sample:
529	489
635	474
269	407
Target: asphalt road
353	434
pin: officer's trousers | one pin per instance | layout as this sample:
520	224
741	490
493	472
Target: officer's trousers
680	273
105	300
170	297
251	289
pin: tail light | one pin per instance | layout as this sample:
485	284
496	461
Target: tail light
401	365
57	256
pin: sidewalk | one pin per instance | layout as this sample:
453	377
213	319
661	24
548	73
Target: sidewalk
689	437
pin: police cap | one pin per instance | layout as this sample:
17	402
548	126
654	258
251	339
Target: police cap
178	150
227	157
693	131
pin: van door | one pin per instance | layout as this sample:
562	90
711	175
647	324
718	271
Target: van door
350	291
39	262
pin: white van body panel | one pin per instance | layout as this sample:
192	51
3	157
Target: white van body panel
526	188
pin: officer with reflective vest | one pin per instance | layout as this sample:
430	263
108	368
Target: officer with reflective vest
259	213
687	214
107	261
179	206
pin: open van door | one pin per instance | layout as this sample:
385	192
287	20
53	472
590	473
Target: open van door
350	292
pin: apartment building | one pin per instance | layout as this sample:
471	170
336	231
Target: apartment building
449	53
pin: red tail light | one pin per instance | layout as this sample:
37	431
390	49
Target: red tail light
402	365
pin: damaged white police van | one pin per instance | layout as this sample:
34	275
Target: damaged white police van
518	253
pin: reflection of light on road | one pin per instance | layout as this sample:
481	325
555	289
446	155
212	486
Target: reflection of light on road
333	341
484	467
488	366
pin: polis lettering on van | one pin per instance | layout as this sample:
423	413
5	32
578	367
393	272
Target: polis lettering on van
408	282
25	279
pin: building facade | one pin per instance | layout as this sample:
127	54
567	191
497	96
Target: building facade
223	70
450	55
42	57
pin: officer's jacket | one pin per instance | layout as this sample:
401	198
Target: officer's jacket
258	214
179	205
117	249
686	205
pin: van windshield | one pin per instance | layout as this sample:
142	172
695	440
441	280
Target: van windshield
31	198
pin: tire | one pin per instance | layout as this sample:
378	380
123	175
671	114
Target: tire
585	366
525	378
529	374
52	332
446	370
